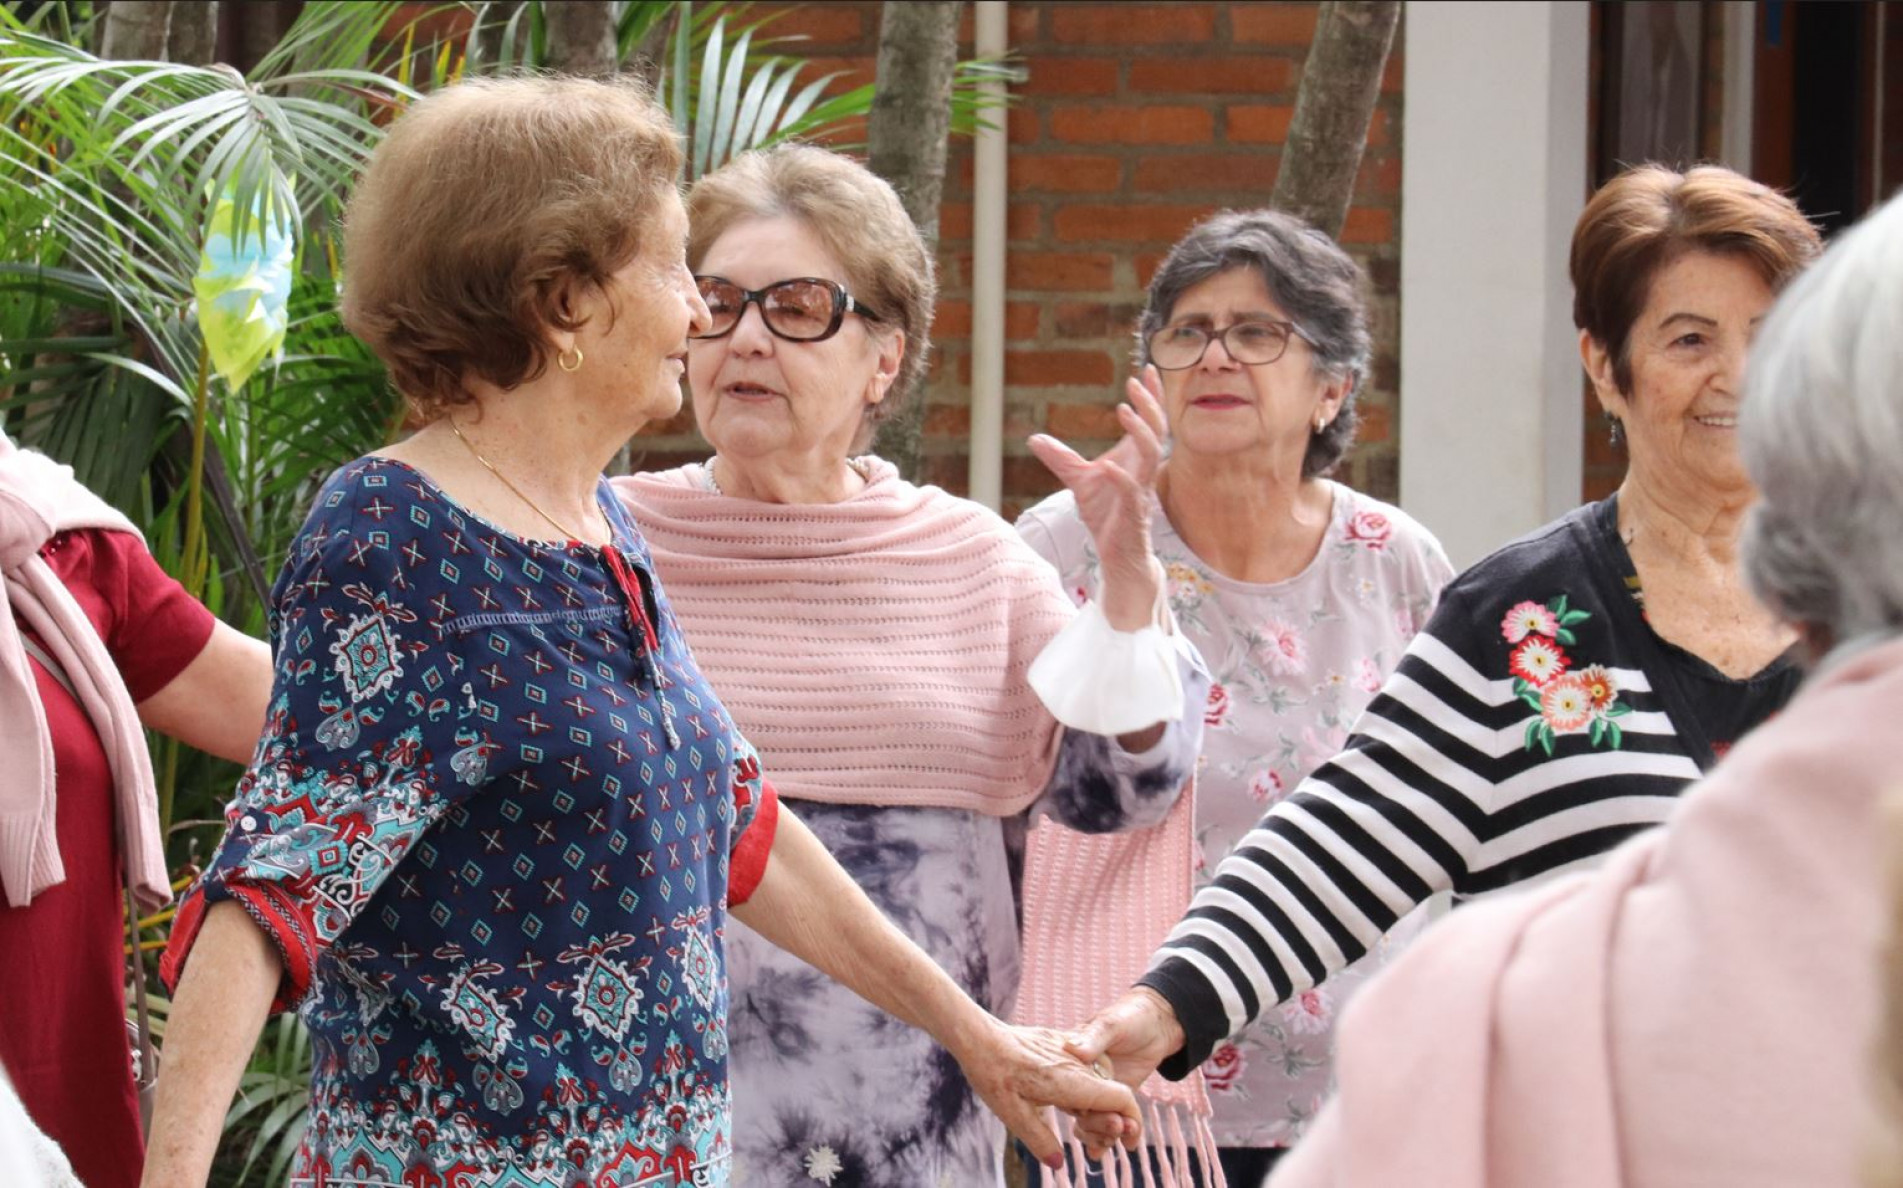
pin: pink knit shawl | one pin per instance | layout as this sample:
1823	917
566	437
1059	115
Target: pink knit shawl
38	499
874	650
1095	908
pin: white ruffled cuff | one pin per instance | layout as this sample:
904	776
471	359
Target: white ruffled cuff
1097	679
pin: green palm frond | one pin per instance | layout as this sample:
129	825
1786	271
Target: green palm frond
973	103
745	99
273	1102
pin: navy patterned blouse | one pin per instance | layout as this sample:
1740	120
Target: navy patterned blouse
493	825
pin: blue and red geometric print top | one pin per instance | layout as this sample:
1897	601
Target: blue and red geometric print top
493	826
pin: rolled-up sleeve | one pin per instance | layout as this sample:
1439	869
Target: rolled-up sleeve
756	818
372	737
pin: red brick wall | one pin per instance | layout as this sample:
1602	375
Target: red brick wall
1136	120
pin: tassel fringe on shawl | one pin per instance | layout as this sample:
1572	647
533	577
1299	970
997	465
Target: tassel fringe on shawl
1095	908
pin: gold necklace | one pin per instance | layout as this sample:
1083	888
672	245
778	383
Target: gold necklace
513	489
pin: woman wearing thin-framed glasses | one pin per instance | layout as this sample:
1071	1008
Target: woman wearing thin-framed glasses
1568	688
876	641
1300	592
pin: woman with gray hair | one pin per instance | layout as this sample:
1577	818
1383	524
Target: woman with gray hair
1568	688
1704	1008
1300	592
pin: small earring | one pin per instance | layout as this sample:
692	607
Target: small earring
1617	432
1321	423
561	360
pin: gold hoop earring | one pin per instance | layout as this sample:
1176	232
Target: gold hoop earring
561	360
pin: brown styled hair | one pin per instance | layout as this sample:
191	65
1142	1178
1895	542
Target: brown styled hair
1648	217
859	218
482	211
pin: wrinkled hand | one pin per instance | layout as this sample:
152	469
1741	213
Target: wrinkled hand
1113	498
1018	1071
1135	1033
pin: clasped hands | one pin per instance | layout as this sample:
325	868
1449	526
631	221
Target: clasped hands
1090	1074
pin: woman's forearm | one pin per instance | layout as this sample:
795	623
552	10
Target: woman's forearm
808	905
1129	592
217	1013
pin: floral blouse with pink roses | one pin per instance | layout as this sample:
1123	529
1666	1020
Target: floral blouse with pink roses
1294	663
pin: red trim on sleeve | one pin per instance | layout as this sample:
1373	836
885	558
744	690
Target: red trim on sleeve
746	866
274	910
185	926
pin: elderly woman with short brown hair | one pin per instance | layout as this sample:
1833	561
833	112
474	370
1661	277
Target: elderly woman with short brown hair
491	840
1705	1007
897	654
1570	686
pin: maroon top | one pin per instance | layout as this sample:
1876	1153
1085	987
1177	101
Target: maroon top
62	992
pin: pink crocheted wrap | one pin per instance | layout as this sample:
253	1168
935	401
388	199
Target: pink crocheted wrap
1095	908
874	649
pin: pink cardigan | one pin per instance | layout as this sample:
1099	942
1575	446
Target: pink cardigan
39	498
1698	1011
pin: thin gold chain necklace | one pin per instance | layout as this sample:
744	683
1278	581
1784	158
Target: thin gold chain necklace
513	489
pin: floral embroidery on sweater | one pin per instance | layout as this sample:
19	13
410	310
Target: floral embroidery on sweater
1565	700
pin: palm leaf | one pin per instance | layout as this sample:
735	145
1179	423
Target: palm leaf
733	75
711	66
770	107
805	119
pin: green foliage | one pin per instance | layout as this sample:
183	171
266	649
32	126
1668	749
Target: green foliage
270	1112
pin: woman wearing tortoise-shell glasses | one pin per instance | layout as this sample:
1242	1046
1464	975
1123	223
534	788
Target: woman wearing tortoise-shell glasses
803	309
873	638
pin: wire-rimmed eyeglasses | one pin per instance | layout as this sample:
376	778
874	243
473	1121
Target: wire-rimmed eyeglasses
1261	340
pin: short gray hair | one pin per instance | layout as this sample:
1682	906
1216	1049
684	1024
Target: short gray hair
1822	436
1306	273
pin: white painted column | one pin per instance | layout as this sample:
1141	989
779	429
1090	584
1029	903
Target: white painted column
989	186
1494	174
1740	102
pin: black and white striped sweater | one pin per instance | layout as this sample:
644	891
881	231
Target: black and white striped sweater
1535	723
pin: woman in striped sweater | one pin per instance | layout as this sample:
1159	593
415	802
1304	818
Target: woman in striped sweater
1569	686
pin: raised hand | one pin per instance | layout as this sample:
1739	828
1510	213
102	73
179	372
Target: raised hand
1113	495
